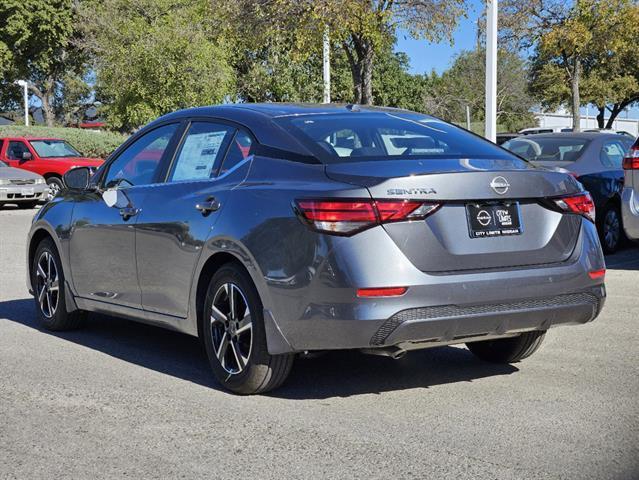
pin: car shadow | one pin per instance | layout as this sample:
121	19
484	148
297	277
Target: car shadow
625	259
333	374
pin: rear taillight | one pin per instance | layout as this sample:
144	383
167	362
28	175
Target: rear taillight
381	292
348	216
581	204
631	162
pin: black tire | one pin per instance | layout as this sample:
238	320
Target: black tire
55	186
228	334
610	228
27	205
508	350
50	304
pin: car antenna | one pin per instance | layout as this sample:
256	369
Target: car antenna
352	107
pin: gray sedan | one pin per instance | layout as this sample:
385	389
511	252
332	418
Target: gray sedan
271	230
21	187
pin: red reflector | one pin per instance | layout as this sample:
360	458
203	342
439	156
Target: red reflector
381	292
581	204
595	274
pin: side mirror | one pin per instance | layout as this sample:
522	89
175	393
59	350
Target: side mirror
77	178
26	156
116	198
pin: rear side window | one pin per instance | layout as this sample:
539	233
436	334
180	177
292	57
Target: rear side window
239	149
353	137
612	153
201	151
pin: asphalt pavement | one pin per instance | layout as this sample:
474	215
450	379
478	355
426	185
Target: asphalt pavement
124	400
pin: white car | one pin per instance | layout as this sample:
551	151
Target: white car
630	194
535	130
21	187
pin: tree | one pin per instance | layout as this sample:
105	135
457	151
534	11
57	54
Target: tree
361	29
38	42
569	40
152	57
612	81
463	84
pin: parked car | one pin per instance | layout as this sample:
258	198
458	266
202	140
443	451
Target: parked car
595	160
49	157
609	130
536	130
630	194
19	187
274	229
504	137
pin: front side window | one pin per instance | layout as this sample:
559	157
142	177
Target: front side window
53	149
612	154
138	164
15	150
201	151
354	137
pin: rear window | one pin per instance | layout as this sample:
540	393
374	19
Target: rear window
547	149
354	137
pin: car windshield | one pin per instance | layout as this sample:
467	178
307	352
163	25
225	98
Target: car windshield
547	149
354	137
53	148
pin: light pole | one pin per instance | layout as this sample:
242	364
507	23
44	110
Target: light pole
327	67
491	70
25	85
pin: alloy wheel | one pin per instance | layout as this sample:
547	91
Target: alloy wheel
54	189
47	284
611	229
231	328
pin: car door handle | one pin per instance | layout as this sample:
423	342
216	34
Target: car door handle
128	212
208	206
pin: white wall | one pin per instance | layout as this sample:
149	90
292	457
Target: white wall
561	119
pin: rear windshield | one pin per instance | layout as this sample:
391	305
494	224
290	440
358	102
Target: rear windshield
53	148
355	137
547	149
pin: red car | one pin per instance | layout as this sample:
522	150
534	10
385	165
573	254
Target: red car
49	157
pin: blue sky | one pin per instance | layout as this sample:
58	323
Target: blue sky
426	56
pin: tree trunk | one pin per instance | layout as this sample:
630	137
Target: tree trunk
576	100
47	110
361	58
601	117
367	77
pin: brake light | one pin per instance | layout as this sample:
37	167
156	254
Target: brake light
348	216
631	162
581	204
382	292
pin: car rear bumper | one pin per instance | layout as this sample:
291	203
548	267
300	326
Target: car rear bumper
22	193
443	308
630	212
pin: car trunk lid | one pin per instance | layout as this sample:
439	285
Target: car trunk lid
444	241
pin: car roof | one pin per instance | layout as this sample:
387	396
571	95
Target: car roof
276	109
28	137
581	135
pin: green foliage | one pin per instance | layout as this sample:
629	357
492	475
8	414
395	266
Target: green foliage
153	57
464	84
89	143
38	43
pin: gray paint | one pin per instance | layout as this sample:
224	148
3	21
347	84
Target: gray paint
147	267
